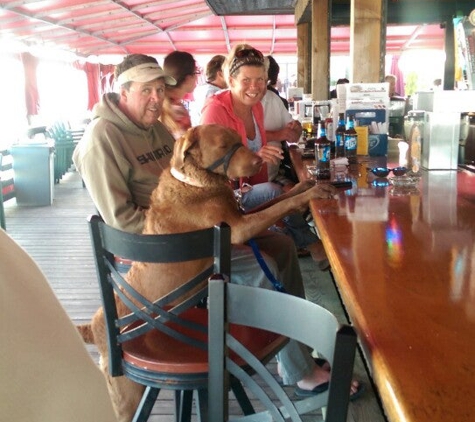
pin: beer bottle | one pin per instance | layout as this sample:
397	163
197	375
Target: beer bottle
329	132
322	153
316	119
340	136
351	139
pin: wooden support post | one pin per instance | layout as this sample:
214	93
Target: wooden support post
304	36
367	40
321	25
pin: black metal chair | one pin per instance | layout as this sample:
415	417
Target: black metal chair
161	344
262	309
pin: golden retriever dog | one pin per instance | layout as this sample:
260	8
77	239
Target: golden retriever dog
195	193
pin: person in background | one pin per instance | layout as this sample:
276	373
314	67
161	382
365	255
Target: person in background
214	82
392	80
273	75
341	81
120	158
175	114
281	128
437	85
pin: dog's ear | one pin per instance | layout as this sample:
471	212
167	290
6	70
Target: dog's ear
183	145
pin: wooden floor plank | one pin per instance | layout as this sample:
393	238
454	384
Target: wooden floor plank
57	238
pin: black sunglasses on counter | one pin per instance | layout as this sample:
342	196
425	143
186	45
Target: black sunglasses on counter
384	171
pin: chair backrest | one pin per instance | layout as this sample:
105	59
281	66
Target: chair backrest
310	324
144	315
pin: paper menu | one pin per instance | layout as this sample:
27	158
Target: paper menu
367	96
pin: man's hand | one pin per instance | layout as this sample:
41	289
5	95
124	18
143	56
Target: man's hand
290	132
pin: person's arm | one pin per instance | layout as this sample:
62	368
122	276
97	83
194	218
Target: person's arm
278	122
105	172
290	132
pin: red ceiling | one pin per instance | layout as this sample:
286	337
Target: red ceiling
98	27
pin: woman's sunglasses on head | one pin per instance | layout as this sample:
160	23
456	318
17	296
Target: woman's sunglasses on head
249	52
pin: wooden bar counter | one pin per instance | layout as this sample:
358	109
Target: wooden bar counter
404	264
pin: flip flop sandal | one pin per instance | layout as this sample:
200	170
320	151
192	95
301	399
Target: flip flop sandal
321	388
318	361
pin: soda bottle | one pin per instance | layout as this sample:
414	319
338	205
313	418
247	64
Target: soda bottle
340	136
351	140
322	153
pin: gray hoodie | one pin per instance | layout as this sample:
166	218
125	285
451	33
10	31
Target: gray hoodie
120	164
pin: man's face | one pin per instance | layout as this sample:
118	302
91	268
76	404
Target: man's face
142	103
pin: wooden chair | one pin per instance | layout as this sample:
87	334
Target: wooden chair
266	310
155	344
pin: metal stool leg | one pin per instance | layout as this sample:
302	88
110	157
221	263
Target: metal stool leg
146	404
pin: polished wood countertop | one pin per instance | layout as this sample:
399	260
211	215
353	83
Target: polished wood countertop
404	264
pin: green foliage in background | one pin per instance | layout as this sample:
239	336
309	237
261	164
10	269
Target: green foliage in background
411	83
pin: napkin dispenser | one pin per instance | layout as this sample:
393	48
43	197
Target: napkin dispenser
377	121
440	142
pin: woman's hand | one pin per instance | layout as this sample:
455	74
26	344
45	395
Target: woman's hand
271	154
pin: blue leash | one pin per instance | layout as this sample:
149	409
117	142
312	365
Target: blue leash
276	283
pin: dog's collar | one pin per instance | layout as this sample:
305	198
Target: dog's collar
225	159
184	178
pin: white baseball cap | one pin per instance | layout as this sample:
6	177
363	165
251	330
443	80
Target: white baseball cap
145	72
